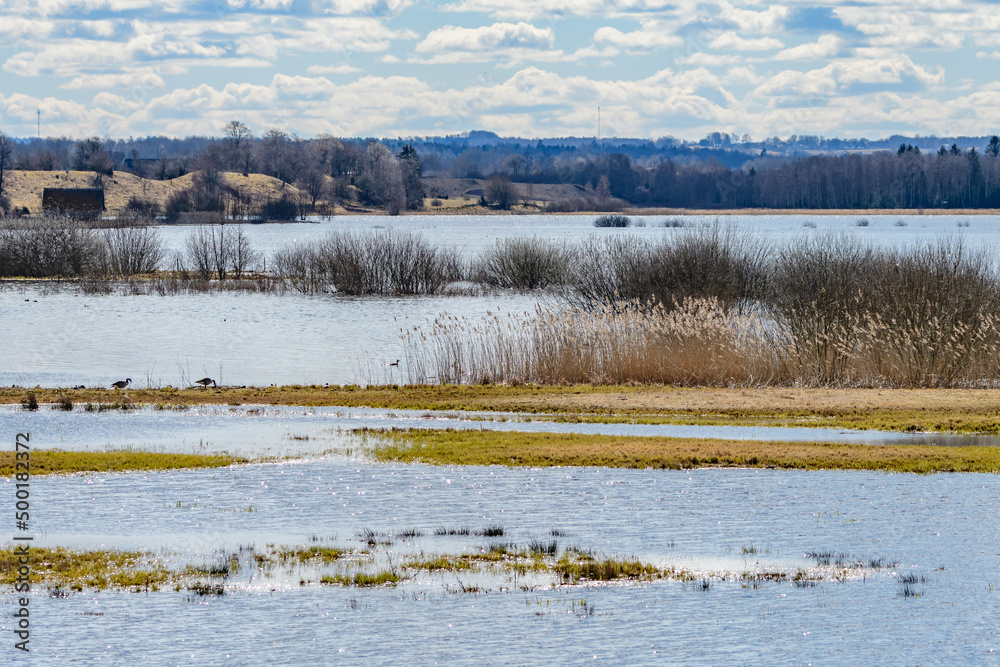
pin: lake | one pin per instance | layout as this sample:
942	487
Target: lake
56	336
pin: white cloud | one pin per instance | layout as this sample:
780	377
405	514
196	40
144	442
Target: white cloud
843	76
498	36
652	35
733	42
521	10
333	69
136	79
826	47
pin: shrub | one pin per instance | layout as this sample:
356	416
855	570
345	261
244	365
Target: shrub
283	209
523	263
378	262
612	221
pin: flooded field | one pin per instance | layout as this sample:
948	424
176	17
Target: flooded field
237	339
472	233
725	527
752	566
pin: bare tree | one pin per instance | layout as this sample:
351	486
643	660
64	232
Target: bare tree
500	191
6	155
237	139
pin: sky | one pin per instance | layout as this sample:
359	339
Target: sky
399	68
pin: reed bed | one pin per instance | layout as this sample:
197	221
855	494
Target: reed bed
697	343
823	312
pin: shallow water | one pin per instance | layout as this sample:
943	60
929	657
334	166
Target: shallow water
938	526
56	337
714	522
296	431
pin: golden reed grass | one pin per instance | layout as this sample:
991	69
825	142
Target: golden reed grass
701	342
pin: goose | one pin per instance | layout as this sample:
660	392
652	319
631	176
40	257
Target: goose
121	384
204	382
393	363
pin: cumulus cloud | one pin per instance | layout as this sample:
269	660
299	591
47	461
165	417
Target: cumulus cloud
491	38
826	47
509	42
652	35
731	41
852	76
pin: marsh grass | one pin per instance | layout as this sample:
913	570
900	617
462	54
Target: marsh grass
76	570
710	308
30	402
451	447
45	462
363	579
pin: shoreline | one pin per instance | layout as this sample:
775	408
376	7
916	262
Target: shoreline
957	410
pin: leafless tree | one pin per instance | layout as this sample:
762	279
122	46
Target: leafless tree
500	192
6	155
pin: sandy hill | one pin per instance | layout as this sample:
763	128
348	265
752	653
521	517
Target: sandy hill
25	187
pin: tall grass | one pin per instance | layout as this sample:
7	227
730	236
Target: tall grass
860	314
826	312
697	342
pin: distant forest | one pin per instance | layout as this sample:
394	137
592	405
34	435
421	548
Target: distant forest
719	171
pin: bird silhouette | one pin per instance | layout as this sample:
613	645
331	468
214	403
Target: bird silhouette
121	384
204	382
393	363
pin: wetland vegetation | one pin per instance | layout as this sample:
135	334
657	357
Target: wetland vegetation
893	409
49	462
469	447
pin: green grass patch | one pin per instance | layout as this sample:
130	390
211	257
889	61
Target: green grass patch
363	579
467	447
76	570
50	461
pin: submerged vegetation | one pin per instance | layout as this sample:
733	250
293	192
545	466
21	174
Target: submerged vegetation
468	447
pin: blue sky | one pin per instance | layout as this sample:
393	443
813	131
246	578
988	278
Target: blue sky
535	69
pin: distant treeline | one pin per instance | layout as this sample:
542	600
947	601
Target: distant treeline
722	171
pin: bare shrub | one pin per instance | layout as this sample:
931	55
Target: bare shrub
613	220
48	247
131	249
377	262
222	251
702	262
523	263
299	265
